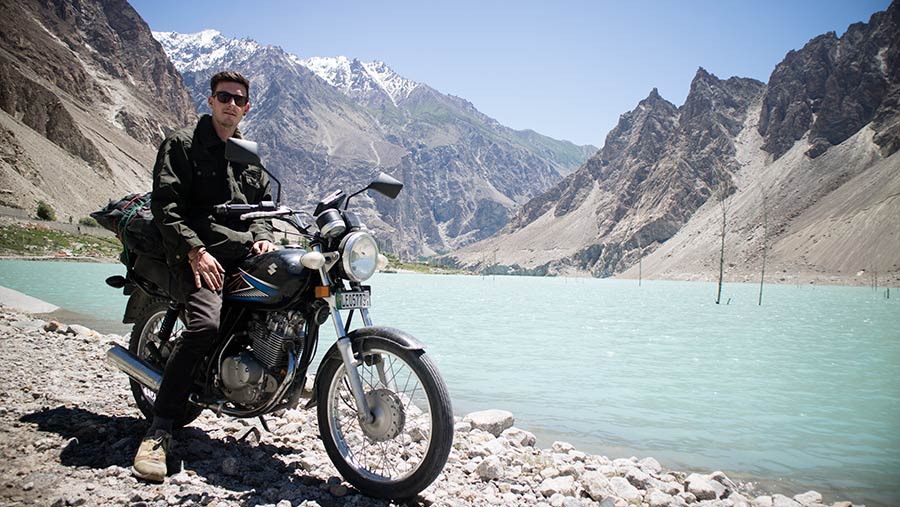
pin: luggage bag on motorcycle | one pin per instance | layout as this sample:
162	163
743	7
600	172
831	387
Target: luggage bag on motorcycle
132	221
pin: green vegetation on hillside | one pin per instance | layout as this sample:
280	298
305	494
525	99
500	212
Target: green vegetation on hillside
395	264
40	241
45	211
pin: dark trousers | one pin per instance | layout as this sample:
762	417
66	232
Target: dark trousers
203	308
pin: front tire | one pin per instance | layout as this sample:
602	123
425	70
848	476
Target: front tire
405	448
145	332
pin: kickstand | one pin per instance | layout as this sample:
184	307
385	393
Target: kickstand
253	431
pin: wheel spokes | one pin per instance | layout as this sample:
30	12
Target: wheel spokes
150	338
402	398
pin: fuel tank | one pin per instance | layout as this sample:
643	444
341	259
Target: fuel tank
268	281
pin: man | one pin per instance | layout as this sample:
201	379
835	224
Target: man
191	176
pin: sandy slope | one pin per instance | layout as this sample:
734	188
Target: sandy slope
830	220
46	172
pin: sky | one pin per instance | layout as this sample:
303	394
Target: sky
566	69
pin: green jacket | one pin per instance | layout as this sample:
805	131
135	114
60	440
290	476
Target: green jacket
191	176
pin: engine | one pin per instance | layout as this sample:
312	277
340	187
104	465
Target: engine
254	374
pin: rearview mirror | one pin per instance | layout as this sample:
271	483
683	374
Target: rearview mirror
242	151
386	185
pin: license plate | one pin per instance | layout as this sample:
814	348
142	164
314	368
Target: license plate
353	300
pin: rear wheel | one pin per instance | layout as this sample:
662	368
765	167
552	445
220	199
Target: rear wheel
146	344
405	447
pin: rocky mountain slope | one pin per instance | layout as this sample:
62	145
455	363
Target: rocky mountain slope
819	140
327	123
85	94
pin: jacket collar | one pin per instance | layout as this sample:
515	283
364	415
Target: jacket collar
207	133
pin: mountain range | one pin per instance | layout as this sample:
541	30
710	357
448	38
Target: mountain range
804	169
89	93
325	122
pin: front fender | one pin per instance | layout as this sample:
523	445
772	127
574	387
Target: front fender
359	337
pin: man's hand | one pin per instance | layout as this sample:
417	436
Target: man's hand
206	269
263	246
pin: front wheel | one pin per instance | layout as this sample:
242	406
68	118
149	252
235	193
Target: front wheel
405	447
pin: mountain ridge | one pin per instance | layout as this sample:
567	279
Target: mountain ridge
85	92
657	177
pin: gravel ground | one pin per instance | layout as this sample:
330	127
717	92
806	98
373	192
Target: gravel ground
69	430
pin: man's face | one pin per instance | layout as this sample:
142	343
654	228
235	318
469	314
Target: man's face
229	114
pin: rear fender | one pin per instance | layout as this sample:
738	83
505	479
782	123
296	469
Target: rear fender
367	335
136	303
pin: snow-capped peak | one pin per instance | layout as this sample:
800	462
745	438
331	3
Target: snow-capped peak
360	78
203	50
397	86
210	49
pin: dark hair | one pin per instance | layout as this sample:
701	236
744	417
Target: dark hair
228	75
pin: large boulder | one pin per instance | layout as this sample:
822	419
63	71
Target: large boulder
810	498
638	478
491	421
595	484
489	469
623	489
783	501
702	487
564	485
519	437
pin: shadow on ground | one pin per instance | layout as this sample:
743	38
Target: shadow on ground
255	473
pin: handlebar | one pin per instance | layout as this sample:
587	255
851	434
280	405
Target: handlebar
242	209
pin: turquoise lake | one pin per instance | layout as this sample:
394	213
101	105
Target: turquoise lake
800	393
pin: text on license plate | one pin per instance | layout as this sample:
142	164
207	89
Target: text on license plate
351	300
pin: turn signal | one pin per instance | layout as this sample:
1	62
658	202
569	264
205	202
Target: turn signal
322	291
313	260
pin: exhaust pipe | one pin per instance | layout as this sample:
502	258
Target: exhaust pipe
134	367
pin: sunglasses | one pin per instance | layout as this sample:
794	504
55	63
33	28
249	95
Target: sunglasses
225	98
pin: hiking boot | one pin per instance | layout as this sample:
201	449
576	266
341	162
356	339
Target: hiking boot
150	461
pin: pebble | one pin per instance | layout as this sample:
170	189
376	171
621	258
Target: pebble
338	490
73	430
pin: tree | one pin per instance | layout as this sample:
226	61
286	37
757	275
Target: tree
765	245
722	250
640	260
88	222
45	211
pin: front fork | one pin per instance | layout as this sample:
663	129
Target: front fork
350	363
346	350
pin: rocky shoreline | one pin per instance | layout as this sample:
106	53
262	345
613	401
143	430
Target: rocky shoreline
68	431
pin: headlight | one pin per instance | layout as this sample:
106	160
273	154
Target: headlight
359	256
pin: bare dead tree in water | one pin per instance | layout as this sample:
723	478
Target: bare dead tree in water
640	260
765	245
722	250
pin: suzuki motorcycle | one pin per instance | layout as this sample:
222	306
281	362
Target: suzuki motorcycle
383	410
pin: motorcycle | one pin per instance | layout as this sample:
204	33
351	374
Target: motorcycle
383	410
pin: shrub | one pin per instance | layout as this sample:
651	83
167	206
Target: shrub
88	222
45	211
